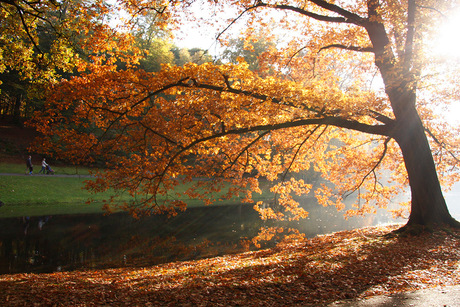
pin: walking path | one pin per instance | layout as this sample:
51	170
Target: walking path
434	297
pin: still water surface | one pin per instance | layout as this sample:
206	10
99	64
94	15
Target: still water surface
58	243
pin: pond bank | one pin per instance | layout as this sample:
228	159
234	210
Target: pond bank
350	265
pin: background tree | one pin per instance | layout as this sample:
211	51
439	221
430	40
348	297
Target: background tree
158	52
232	121
183	56
253	53
154	41
40	42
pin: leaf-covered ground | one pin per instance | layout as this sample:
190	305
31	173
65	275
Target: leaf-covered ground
343	265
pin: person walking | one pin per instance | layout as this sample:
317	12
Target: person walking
44	165
29	165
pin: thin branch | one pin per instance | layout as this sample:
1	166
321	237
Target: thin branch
26	28
148	8
147	97
347	17
159	134
295	53
300	147
442	144
245	149
372	171
340	46
233	22
351	48
433	9
232	90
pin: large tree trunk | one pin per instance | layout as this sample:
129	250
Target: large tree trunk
17	109
428	206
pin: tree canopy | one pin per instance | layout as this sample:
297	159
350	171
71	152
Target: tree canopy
350	91
42	42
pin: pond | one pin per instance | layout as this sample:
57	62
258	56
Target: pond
70	242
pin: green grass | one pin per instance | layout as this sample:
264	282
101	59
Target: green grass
44	195
52	195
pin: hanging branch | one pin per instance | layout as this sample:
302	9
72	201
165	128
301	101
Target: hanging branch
372	171
442	145
300	146
245	149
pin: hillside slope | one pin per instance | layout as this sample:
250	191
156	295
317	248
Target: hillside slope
14	142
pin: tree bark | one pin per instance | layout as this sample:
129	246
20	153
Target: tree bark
428	206
17	109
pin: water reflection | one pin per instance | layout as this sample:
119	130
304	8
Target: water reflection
53	243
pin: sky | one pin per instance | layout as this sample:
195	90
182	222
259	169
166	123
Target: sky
196	39
197	34
453	201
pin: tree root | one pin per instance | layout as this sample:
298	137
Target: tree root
414	229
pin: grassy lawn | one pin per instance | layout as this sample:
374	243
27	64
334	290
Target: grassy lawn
34	195
51	195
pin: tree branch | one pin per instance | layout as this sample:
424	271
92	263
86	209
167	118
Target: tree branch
382	118
409	45
232	90
339	10
351	48
347	17
233	22
159	134
331	121
324	118
441	144
372	171
245	149
26	28
300	147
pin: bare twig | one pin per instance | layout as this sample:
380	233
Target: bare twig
442	144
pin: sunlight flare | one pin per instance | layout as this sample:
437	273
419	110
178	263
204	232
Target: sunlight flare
446	42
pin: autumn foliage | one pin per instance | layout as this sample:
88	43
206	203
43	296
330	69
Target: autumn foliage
175	132
43	40
312	105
